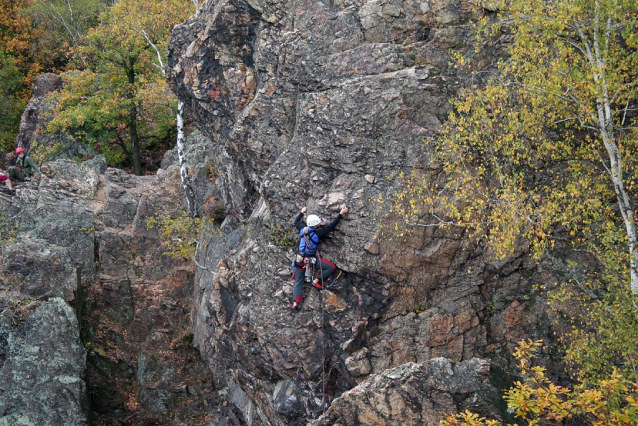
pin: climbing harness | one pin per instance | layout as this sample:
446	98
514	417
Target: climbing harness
306	264
311	263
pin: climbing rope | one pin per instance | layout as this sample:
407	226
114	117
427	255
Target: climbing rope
323	347
323	336
323	343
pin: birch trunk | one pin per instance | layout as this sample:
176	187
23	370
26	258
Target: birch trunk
596	54
627	213
183	168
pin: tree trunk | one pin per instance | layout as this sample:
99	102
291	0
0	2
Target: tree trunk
132	120
624	204
135	141
595	54
183	169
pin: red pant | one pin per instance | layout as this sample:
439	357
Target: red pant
323	268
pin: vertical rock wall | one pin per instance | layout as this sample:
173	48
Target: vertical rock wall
43	374
319	104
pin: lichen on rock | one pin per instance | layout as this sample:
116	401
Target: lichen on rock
42	376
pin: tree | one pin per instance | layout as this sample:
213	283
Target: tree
12	102
62	23
36	32
35	36
18	66
154	24
539	152
17	34
610	402
544	155
118	99
589	71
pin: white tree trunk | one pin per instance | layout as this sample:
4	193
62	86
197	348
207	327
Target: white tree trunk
183	168
595	54
627	213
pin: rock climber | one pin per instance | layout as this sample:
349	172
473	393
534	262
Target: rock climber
24	168
311	233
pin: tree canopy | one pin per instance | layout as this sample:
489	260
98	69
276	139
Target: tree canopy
12	101
36	36
117	99
548	149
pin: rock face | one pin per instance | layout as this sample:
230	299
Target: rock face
42	374
320	104
80	240
414	394
32	134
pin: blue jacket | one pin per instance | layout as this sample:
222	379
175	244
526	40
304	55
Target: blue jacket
314	235
313	241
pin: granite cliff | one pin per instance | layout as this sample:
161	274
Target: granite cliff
95	325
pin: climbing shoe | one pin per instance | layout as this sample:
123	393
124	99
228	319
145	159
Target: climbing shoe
317	284
296	304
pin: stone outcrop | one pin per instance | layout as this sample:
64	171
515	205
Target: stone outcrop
81	242
42	373
415	394
32	135
320	104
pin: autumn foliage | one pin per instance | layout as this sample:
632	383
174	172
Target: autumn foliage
542	158
116	99
537	400
36	36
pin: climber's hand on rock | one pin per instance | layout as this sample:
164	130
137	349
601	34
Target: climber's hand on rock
344	210
303	209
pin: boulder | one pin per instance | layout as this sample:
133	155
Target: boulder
415	395
32	134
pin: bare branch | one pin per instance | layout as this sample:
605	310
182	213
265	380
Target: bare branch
160	62
566	119
622	123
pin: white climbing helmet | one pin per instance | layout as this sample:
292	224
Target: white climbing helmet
313	220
